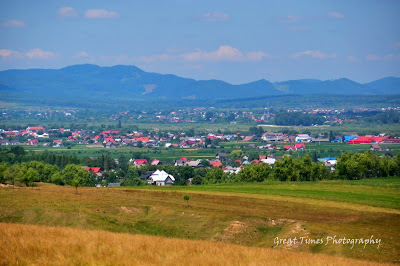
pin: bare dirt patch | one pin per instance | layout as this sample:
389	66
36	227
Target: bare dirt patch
131	210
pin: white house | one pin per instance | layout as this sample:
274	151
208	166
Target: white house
303	138
270	161
161	178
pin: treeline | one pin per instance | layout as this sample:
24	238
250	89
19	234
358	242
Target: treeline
22	169
27	173
288	169
298	119
389	117
18	154
349	167
366	165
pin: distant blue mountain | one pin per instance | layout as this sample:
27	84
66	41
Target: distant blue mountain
389	85
130	82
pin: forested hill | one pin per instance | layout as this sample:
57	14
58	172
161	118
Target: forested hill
129	82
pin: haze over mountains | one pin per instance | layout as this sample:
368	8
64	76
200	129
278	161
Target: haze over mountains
131	82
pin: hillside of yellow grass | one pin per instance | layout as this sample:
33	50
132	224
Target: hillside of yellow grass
246	219
45	245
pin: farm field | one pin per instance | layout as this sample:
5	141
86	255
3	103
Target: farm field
323	150
44	245
250	215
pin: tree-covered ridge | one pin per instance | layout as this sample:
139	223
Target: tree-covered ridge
129	82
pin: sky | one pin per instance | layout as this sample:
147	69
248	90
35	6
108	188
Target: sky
230	40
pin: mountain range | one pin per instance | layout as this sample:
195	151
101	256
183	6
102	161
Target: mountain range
130	82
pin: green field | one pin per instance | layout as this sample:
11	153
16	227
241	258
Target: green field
382	192
244	214
163	154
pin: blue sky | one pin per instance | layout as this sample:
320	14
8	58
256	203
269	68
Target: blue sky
234	41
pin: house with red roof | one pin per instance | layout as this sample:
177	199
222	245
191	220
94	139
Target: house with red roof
34	129
95	170
297	146
139	162
58	143
184	145
156	162
300	146
248	138
108	139
33	142
288	147
142	139
216	164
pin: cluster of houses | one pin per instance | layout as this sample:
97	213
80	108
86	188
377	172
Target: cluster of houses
115	139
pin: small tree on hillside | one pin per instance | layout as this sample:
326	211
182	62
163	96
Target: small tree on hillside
186	198
75	183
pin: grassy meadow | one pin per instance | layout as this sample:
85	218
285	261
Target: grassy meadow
383	192
251	215
29	244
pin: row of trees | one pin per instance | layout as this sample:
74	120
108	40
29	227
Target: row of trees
18	154
34	171
288	169
366	165
298	119
349	166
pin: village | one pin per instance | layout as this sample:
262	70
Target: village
259	148
191	114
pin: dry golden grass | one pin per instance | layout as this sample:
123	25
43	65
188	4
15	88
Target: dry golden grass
244	219
43	245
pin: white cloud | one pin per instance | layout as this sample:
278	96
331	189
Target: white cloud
31	54
13	24
67	12
372	57
224	53
289	19
39	54
390	57
100	13
336	15
6	53
351	58
82	54
314	54
215	16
